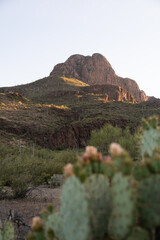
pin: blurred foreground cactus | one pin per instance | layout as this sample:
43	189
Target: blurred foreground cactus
7	233
108	197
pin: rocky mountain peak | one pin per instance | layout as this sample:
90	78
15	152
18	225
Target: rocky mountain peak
97	70
93	69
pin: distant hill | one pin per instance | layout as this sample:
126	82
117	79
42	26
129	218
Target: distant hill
76	73
97	70
62	109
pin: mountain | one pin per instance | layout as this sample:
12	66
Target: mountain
97	70
78	75
62	109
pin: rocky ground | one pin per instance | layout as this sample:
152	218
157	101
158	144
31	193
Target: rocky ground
36	200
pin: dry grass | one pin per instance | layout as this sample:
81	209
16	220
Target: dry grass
74	82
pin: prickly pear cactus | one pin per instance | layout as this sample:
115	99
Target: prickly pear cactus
149	201
153	163
140	171
150	137
54	225
7	232
74	210
109	168
139	234
99	198
124	163
1	238
123	215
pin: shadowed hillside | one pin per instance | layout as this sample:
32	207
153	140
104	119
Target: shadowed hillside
61	111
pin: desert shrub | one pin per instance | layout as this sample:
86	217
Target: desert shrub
108	134
30	166
61	158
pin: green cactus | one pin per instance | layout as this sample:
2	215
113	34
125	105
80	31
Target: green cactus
109	169
7	232
123	163
140	171
53	227
149	201
74	210
82	172
98	196
150	137
139	233
150	141
96	167
153	163
153	121
39	235
122	216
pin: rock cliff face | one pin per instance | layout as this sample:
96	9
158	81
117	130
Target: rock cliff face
111	92
96	69
108	91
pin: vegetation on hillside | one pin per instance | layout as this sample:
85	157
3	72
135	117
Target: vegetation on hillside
108	134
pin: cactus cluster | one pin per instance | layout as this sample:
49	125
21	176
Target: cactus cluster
107	197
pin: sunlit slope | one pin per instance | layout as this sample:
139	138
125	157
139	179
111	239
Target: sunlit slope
68	125
40	88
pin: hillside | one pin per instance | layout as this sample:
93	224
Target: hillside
53	126
61	111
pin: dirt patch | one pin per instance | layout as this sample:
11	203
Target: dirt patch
29	207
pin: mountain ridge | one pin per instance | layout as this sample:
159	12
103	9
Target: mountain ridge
86	70
96	69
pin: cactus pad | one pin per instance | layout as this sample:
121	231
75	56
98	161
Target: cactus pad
98	196
8	232
122	216
74	210
150	140
139	234
54	224
153	163
149	201
140	171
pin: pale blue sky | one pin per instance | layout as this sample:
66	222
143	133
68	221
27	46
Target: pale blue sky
35	35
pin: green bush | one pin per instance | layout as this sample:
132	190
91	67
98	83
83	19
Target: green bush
30	166
108	134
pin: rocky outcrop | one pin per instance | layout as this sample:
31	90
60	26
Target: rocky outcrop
112	92
108	91
132	87
96	69
91	70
